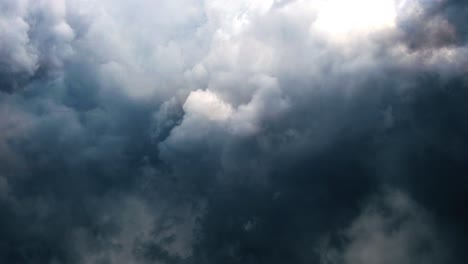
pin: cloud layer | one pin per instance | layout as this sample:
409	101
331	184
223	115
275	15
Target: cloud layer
203	131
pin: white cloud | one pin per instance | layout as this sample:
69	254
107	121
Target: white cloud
207	104
340	18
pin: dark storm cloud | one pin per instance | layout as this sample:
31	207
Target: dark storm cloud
438	24
210	132
390	229
317	180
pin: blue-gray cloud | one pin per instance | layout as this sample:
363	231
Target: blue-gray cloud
208	131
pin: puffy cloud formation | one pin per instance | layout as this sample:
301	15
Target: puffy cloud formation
208	131
392	229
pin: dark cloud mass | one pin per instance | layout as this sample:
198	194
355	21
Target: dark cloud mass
206	131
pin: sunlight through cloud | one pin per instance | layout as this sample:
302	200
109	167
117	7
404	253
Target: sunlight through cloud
338	18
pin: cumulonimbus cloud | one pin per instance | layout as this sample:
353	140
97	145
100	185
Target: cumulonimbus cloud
201	131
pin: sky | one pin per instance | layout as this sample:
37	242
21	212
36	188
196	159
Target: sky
234	132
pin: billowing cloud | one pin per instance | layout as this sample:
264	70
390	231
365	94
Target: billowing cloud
392	229
200	131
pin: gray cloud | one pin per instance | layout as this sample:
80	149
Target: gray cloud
392	229
230	132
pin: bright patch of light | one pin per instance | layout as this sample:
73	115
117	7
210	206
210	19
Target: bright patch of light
208	105
341	17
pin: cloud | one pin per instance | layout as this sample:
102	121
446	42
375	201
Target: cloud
194	131
392	229
207	105
433	24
